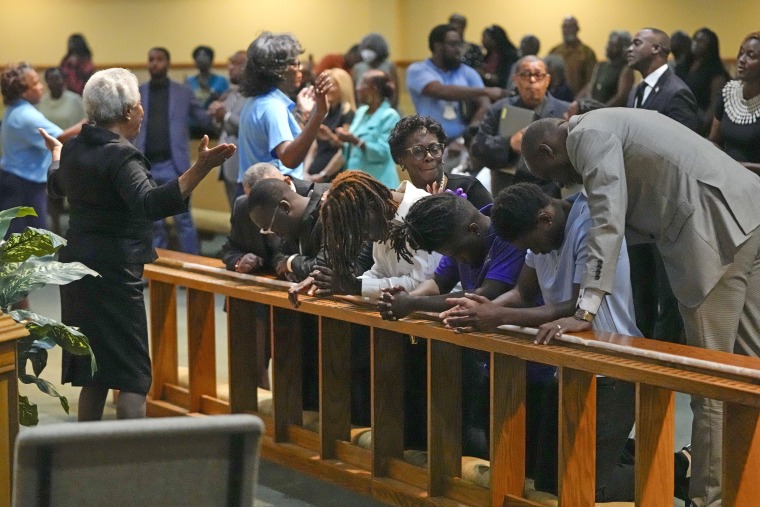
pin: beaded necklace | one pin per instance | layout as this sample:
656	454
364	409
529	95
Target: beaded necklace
738	109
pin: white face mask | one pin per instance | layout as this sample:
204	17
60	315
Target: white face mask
368	55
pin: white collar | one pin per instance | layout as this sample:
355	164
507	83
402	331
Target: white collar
655	76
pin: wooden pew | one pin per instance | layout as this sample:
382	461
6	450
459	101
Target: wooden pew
659	369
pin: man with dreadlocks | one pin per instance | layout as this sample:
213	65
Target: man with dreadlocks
474	256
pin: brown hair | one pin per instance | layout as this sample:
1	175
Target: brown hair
13	82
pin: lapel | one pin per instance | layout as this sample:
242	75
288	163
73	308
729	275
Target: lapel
658	87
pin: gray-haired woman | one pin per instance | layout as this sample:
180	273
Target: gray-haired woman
272	128
114	202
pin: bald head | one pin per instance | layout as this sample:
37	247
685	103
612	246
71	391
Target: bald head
570	29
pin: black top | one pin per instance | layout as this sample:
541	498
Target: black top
741	142
605	84
477	194
244	237
157	143
325	150
113	198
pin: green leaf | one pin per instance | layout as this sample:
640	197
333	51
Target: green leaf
27	412
31	242
35	273
46	387
38	358
7	215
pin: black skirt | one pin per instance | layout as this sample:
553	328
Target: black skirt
110	311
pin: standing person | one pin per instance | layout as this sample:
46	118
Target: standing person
680	45
59	105
657	314
735	127
114	201
501	54
25	159
206	86
328	158
706	76
269	123
579	58
612	80
226	112
374	52
367	138
77	65
164	138
668	186
472	54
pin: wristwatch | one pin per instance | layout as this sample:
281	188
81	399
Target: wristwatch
584	315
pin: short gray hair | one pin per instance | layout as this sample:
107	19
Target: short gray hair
260	171
108	93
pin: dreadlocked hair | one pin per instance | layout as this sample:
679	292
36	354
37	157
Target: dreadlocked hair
430	224
345	217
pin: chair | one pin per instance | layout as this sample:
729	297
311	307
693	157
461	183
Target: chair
189	461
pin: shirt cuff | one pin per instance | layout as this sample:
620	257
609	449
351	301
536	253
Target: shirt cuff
289	262
590	299
371	287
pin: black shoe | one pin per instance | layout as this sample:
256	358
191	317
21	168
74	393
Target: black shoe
683	474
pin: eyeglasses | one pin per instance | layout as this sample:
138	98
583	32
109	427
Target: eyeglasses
418	151
295	63
539	76
268	229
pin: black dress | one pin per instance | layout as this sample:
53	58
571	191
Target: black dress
741	136
114	202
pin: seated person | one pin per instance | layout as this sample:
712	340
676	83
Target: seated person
503	155
474	256
556	232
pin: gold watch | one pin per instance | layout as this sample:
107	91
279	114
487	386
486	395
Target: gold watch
584	315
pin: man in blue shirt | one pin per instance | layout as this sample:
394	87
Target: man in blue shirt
446	89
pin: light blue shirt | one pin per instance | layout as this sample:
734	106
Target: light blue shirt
446	112
558	270
24	152
266	122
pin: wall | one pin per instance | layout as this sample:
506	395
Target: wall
122	31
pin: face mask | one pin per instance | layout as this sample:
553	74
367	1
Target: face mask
368	55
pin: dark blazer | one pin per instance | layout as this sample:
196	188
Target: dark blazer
492	149
673	98
112	197
307	247
244	237
182	107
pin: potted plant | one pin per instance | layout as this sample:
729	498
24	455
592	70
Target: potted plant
26	263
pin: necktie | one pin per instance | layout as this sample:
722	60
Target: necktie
640	94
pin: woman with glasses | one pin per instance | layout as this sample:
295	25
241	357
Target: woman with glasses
366	141
417	144
273	128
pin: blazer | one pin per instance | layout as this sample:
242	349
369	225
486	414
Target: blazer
375	158
673	98
244	237
182	107
492	149
656	180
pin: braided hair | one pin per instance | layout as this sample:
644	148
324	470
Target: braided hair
430	224
345	217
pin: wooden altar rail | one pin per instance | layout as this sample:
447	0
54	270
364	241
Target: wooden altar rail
10	332
381	472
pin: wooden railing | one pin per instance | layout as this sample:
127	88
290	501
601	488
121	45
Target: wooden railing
658	369
10	332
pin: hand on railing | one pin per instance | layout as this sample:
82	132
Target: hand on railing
394	303
305	286
555	328
471	313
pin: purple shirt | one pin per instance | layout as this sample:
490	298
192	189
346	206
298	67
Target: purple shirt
502	263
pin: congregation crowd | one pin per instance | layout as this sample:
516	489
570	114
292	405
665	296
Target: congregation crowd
554	193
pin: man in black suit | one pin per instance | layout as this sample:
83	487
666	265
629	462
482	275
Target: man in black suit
660	90
502	155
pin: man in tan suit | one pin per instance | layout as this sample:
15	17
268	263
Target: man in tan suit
654	180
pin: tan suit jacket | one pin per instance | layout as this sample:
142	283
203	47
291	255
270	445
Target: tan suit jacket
654	179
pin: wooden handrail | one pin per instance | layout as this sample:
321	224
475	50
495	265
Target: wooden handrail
657	368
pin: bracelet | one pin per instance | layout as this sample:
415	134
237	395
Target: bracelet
289	263
584	315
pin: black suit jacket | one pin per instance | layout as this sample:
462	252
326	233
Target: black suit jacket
673	98
244	237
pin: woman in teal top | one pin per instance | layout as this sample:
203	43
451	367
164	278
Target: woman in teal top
367	139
